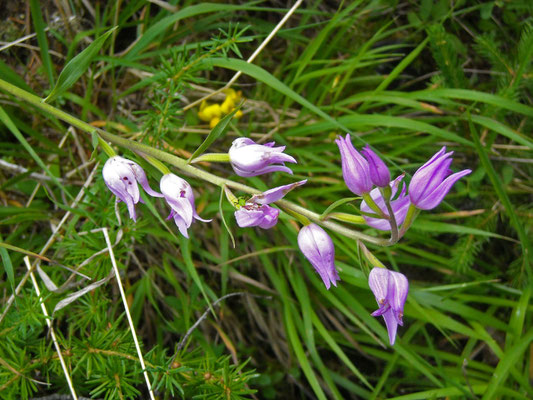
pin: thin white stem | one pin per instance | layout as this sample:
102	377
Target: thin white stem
128	315
267	40
52	331
251	58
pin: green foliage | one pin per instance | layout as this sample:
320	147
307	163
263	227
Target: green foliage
406	78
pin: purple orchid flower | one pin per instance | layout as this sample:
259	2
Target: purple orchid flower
433	181
355	168
253	214
399	206
317	247
121	177
257	212
251	159
390	289
179	196
379	173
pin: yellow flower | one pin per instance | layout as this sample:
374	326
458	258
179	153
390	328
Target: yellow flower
227	105
208	112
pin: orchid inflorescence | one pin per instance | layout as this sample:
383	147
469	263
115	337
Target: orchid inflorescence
387	205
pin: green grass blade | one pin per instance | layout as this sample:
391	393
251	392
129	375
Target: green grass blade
39	25
8	267
161	26
509	359
215	133
502	194
76	67
14	130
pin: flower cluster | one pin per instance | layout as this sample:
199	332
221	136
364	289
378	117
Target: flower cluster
251	159
428	187
213	112
388	205
122	177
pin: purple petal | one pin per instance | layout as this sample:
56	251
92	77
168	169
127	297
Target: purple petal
143	180
270	217
378	280
183	208
379	173
131	209
272	168
398	290
182	225
355	168
426	178
247	218
434	178
252	215
381	310
275	194
392	325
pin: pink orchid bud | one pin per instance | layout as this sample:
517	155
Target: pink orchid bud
355	168
251	159
317	247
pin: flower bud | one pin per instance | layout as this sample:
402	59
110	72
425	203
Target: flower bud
179	196
317	247
432	181
379	173
355	168
251	159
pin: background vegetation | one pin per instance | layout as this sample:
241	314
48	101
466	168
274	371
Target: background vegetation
406	77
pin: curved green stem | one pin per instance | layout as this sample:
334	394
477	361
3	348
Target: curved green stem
392	218
181	163
373	206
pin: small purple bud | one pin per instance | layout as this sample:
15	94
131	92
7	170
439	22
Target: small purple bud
317	247
399	206
179	196
390	289
433	181
272	195
121	177
355	168
252	214
251	159
379	173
